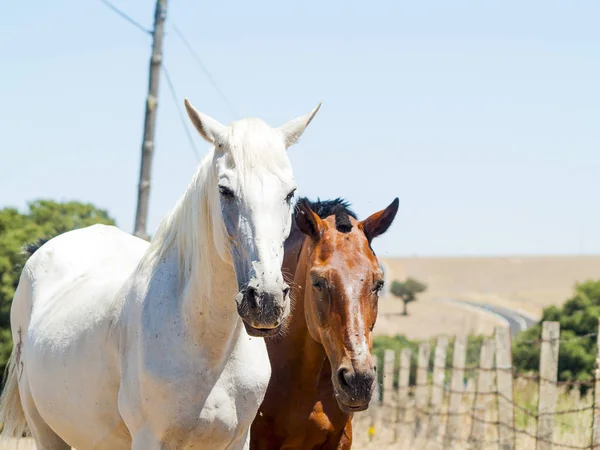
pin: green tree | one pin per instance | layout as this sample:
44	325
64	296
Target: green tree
407	291
578	319
44	219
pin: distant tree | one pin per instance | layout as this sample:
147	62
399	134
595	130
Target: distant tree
407	291
44	219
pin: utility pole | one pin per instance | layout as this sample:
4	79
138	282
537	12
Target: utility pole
141	215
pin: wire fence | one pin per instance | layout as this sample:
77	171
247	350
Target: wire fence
484	406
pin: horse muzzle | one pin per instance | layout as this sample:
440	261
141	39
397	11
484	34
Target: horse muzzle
354	387
263	310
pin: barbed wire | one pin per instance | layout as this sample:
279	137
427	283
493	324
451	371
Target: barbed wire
476	410
497	423
540	340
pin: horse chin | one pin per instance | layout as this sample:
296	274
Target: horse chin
352	409
261	332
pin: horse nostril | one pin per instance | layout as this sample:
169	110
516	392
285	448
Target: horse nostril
344	377
286	291
252	296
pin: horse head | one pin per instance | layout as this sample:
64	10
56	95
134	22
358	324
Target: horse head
344	279
250	197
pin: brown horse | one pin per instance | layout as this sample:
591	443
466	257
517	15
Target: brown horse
322	370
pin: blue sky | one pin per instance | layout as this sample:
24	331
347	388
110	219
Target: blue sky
482	117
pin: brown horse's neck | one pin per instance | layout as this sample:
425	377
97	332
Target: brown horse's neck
299	410
310	357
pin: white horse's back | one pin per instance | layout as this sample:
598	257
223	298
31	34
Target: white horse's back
69	256
66	308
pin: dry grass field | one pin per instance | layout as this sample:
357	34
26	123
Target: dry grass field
18	444
526	284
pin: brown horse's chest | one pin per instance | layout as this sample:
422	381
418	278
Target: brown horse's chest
327	432
304	428
320	431
320	426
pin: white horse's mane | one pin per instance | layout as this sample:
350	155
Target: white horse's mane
194	224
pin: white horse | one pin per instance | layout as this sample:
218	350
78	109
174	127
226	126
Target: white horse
122	344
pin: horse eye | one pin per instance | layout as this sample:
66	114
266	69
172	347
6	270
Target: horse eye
290	196
226	192
318	284
378	286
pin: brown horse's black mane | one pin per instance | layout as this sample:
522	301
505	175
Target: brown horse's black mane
31	247
326	208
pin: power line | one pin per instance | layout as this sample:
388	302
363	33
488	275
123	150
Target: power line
195	55
180	112
126	17
205	70
167	76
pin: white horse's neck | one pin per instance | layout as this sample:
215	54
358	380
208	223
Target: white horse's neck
209	307
208	299
207	283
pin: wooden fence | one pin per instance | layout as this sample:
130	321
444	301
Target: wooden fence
486	406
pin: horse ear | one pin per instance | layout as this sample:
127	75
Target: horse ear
210	129
293	129
378	223
308	221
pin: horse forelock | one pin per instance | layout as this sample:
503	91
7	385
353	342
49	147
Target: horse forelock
254	145
338	207
342	220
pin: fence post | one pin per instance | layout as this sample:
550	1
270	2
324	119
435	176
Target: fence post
482	393
374	407
389	357
471	386
596	427
504	379
547	389
437	388
403	427
388	403
421	391
457	387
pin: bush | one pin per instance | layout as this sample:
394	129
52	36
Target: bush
399	342
577	353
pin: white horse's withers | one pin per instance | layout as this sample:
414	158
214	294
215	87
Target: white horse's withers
122	344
